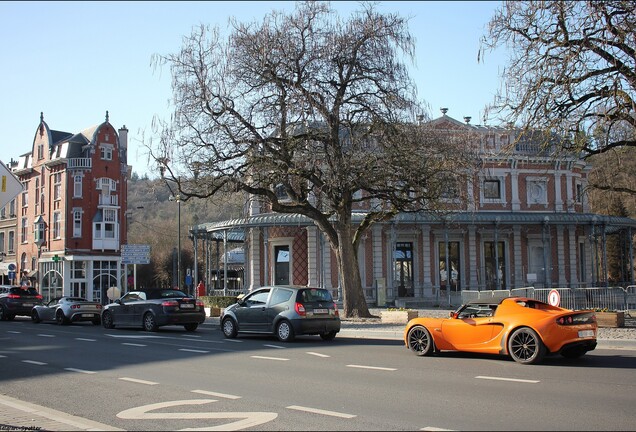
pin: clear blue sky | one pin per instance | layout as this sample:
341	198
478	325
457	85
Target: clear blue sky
76	60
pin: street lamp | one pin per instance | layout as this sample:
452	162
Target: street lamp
177	198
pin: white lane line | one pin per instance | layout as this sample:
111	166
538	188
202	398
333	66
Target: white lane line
133	344
508	379
270	358
3	356
86	339
80	371
317	354
433	428
46	335
191	336
275	346
193	350
33	362
13	331
371	367
234	340
319	411
221	395
138	381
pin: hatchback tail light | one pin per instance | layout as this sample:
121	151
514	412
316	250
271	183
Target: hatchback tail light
39	297
200	303
170	303
300	309
335	309
13	296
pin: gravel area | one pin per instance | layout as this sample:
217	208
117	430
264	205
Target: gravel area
625	333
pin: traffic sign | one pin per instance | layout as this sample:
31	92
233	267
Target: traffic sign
10	186
554	298
135	254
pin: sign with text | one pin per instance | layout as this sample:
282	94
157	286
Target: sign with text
135	254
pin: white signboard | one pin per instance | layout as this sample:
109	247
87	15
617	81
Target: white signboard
10	186
554	298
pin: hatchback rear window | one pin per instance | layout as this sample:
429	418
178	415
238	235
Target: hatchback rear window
28	291
310	295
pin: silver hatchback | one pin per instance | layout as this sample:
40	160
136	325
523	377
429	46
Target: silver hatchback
284	311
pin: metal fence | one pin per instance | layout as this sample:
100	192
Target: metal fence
610	298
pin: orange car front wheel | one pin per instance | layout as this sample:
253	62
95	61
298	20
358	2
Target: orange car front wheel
525	346
420	341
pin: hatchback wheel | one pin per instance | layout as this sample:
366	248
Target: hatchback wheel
285	331
191	326
107	320
525	346
229	328
150	324
35	317
60	318
420	341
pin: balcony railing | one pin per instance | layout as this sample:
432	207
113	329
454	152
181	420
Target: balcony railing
80	163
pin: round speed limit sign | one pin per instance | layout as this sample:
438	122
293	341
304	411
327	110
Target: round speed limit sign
554	298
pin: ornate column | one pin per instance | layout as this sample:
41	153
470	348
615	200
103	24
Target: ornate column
254	261
574	251
472	256
312	257
519	276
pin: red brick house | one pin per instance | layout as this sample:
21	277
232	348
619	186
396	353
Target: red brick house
71	215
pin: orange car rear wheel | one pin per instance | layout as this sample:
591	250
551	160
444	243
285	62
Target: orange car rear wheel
525	346
420	341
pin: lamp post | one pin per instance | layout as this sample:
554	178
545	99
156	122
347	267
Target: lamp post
177	198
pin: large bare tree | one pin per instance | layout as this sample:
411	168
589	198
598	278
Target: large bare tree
572	71
315	115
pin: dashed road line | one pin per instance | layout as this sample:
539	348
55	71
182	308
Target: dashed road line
274	346
221	395
13	331
134	344
317	354
80	371
193	350
33	362
138	381
371	367
86	339
321	411
46	335
234	340
508	379
270	358
433	428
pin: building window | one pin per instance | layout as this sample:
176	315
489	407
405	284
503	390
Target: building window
77	222
1	242
492	189
57	186
3	213
39	230
77	186
110	218
12	208
579	193
403	272
40	151
57	226
37	194
106	152
25	194
11	248
495	264
453	263
23	230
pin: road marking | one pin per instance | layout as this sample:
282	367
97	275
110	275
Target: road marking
319	411
46	335
138	381
13	331
234	340
270	358
433	428
80	371
508	379
275	346
33	362
3	356
86	339
191	336
371	367
193	350
317	354
133	344
221	395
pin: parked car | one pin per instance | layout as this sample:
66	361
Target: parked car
284	311
65	310
18	301
525	329
154	308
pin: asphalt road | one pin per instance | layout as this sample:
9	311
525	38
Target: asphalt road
173	380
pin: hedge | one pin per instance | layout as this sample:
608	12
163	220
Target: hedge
218	301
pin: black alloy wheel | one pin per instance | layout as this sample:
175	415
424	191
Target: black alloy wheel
107	320
420	341
150	324
525	346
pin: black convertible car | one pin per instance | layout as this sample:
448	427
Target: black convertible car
154	308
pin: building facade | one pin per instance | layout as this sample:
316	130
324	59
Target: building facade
70	217
526	223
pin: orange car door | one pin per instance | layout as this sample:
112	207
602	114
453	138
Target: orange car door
468	334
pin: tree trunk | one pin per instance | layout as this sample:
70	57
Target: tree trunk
353	301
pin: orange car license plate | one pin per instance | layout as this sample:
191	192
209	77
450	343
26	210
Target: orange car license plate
586	333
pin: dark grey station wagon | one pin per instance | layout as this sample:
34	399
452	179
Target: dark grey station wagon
284	311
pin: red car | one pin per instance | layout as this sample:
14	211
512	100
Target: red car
523	328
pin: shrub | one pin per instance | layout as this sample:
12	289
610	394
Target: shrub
218	301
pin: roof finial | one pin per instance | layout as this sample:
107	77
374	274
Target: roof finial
41	116
106	116
444	110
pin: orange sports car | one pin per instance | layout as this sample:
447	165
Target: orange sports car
523	328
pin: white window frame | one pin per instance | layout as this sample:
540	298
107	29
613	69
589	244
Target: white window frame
77	222
77	186
106	151
57	225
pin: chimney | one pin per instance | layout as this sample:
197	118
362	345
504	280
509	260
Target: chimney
123	137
